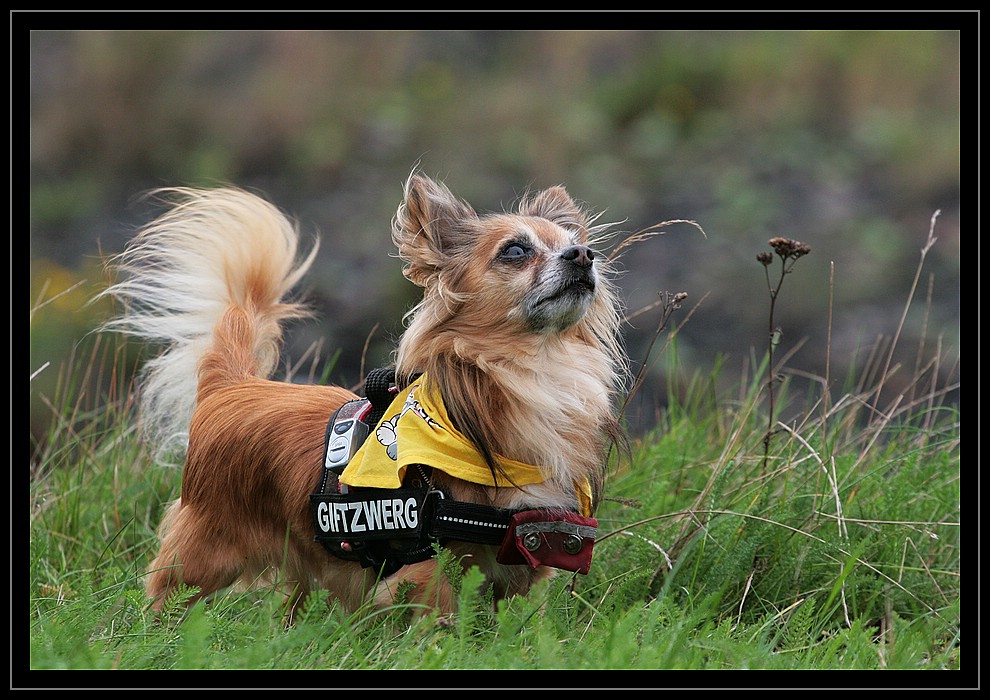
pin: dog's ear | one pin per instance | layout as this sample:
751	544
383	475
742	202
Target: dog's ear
557	206
428	227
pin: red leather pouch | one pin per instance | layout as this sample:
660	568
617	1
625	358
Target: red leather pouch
559	539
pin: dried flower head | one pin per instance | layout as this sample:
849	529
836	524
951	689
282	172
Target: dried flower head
765	258
788	248
671	301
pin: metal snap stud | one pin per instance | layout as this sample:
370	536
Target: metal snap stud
573	544
531	541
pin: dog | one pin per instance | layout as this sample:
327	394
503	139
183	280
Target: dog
515	341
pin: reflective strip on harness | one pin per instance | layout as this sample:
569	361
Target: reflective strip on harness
470	522
567	528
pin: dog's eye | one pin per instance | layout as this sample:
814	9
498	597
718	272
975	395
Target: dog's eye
514	251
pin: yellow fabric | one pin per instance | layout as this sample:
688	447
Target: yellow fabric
416	430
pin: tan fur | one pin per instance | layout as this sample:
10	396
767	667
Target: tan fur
527	369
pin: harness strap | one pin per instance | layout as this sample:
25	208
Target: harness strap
470	522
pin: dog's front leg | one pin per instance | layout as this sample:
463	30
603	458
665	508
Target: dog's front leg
422	586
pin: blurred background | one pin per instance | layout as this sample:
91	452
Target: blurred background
848	141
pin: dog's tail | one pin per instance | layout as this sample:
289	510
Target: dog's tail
206	280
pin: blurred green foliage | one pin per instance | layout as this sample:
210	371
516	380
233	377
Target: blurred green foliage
846	140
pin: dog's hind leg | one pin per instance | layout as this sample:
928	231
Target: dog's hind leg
192	553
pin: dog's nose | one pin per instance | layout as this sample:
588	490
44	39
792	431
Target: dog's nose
580	255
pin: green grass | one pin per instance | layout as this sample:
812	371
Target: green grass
839	549
728	539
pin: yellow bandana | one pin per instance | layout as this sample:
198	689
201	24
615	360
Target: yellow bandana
416	430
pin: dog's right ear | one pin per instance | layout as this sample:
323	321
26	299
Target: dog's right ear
428	227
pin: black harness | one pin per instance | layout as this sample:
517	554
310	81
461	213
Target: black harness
386	529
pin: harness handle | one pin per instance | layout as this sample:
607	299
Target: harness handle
379	387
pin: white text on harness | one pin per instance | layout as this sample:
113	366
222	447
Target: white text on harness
371	516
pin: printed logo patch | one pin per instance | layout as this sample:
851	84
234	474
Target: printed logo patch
368	514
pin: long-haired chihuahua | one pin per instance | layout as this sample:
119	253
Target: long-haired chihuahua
491	438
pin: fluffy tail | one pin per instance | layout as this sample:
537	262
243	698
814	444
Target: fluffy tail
206	280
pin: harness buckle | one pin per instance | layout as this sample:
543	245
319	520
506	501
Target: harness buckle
346	433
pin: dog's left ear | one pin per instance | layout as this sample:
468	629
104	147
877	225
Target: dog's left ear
557	206
429	227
